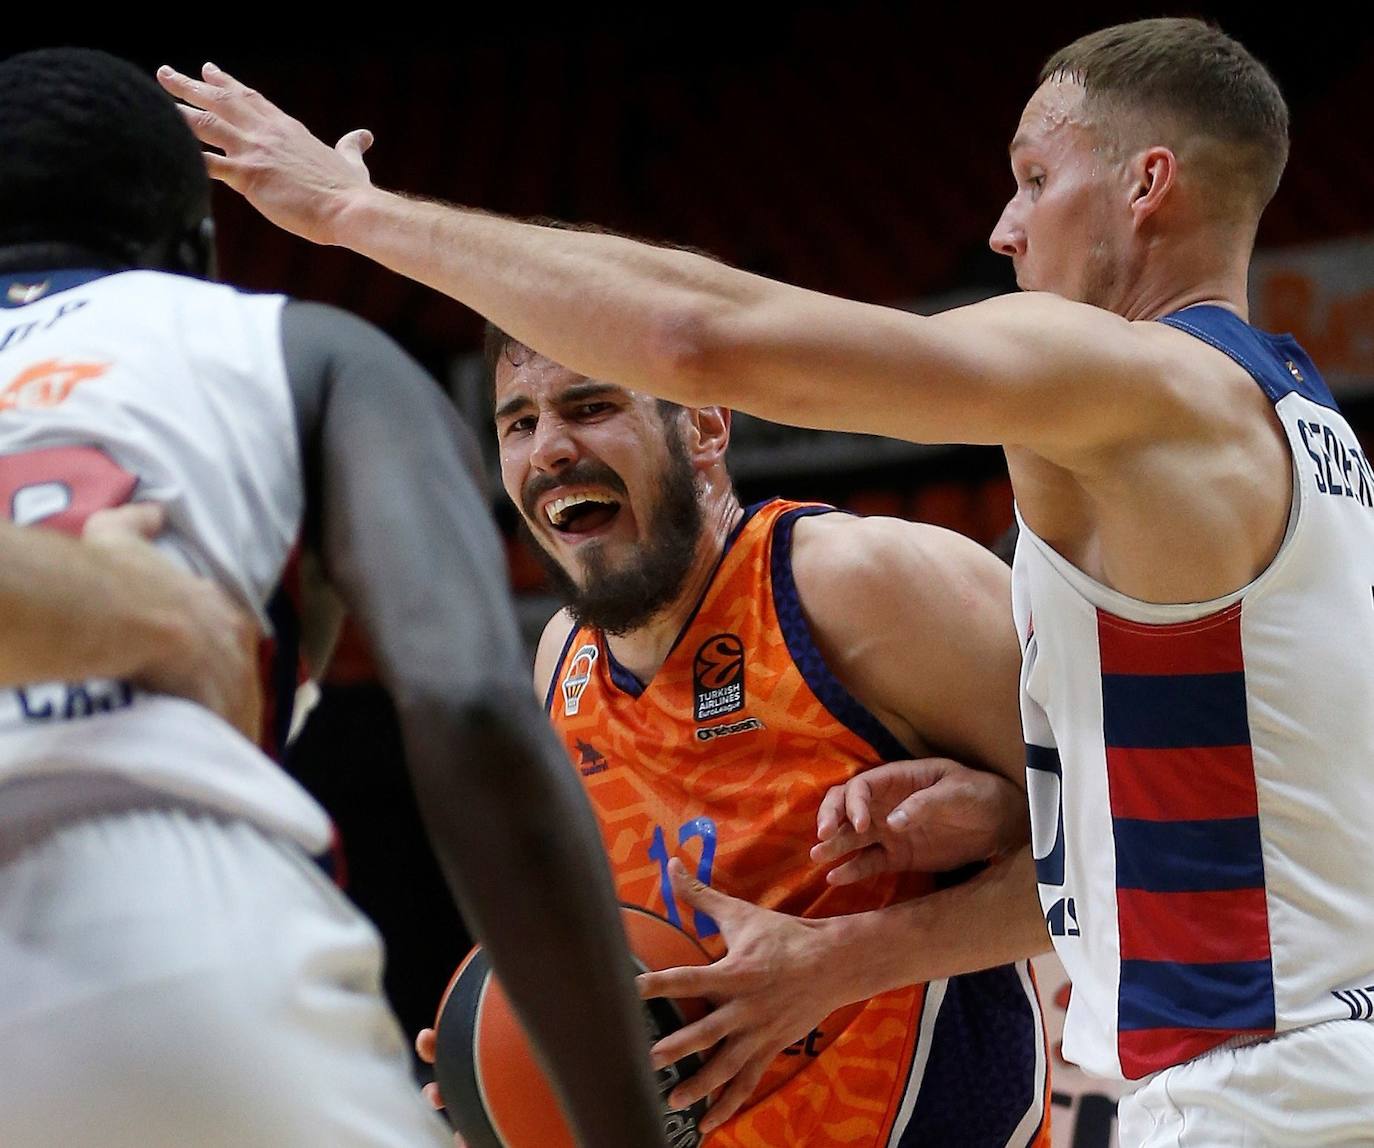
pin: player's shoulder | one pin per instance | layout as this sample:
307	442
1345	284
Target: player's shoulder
190	287
551	643
844	555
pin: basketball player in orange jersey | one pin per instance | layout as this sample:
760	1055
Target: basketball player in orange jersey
719	669
1196	521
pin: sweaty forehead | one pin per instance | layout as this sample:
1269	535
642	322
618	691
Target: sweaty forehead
1056	105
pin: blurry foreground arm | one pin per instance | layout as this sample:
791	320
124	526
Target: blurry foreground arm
112	606
407	540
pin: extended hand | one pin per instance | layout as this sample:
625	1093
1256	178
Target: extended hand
294	179
773	986
930	815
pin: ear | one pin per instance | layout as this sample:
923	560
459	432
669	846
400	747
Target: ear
1155	172
710	435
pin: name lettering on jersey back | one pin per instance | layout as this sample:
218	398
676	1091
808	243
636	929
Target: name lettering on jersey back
1341	469
15	335
63	701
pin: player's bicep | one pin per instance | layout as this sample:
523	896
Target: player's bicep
1030	370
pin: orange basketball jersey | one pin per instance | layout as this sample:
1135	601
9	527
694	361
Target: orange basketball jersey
722	760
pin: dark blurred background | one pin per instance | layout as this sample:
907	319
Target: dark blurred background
858	149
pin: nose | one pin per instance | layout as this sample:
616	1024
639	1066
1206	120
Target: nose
1009	236
554	448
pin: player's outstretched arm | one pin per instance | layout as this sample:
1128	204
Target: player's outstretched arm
407	539
1058	377
111	606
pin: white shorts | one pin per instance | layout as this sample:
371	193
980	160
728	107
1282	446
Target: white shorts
171	979
1303	1089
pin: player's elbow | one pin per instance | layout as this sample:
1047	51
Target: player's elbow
692	351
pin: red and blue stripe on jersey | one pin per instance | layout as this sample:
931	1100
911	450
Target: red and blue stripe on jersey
1196	967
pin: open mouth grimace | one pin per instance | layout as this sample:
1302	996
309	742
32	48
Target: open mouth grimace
581	513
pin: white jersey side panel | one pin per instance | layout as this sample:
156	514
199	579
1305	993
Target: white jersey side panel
145	386
1202	775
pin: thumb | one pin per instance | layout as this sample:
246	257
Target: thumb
352	146
135	520
355	142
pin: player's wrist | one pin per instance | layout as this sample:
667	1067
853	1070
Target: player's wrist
354	213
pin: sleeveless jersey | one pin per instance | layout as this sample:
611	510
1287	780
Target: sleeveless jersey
723	759
148	386
1202	775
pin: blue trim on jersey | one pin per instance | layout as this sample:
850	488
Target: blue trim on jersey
1266	357
980	1080
796	631
624	680
558	670
1174	711
1049	869
1188	856
1163	994
53	282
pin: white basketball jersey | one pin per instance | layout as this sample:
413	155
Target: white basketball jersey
1202	776
145	386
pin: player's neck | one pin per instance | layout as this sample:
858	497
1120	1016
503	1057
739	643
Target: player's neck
1185	277
643	650
21	257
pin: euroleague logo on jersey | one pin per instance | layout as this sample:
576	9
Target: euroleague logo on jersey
718	677
47	384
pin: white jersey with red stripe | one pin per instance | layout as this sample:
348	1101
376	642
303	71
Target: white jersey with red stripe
147	386
1202	775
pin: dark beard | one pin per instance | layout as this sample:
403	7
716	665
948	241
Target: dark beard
618	601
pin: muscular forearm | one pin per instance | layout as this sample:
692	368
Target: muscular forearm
557	289
992	919
69	610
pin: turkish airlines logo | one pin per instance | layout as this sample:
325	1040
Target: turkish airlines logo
718	677
47	384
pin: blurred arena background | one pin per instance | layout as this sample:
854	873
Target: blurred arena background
858	149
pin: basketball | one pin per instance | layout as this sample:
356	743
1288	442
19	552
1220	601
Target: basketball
494	1091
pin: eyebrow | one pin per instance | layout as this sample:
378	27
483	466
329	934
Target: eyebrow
510	406
578	392
1017	144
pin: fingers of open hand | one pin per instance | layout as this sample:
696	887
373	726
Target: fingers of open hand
858	804
830	817
717	1072
426	1044
212	129
698	1036
866	863
683	981
431	1093
847	841
734	1096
